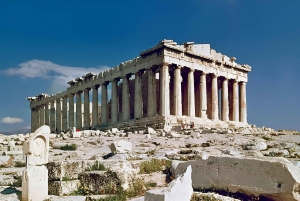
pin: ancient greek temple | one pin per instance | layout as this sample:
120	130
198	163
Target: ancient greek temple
168	84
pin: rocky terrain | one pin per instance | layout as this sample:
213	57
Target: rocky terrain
125	164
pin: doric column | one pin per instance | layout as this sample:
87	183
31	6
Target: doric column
52	115
37	116
164	90
104	114
42	115
78	110
235	102
203	96
225	103
214	97
33	119
65	113
58	114
71	110
114	101
125	99
177	101
47	122
95	113
86	108
138	99
152	105
191	94
243	103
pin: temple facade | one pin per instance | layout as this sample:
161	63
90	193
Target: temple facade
168	84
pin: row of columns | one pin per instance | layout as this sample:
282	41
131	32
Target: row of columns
234	100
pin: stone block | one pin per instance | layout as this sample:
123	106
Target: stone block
121	147
179	189
272	178
63	187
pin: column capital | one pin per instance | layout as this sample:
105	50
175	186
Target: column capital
117	79
192	70
203	73
79	92
105	83
96	86
214	76
87	89
165	63
242	83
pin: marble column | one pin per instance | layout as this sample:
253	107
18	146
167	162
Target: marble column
203	96
104	113
65	113
225	103
58	114
42	115
152	105
47	122
164	90
71	110
243	103
95	113
78	110
114	101
214	97
235	102
138	99
191	93
37	113
33	120
52	115
125	99
177	101
86	110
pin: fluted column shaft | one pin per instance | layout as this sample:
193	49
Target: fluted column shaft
214	98
87	118
114	101
104	114
125	99
95	113
78	110
58	115
52	116
138	99
47	122
42	115
203	96
191	94
164	90
235	102
71	111
225	103
152	105
177	101
243	103
33	119
65	113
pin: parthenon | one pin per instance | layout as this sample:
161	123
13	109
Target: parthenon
168	84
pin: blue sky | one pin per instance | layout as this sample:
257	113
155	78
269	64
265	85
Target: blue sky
41	42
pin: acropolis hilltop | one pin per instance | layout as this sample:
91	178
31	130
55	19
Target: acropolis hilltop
167	85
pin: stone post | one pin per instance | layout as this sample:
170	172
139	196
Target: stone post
78	110
235	102
58	114
95	113
71	110
52	115
47	122
214	97
164	90
86	110
65	113
225	103
104	113
152	105
177	101
203	96
42	115
138	99
191	94
114	101
35	174
125	99
243	103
